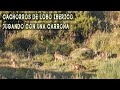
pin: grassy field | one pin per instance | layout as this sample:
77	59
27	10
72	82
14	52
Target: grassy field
33	50
95	68
57	70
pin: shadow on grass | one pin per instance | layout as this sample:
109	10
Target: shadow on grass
86	75
89	74
14	73
93	70
28	73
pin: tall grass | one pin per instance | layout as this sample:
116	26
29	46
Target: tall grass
109	70
104	41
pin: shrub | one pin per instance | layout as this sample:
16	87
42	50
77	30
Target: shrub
65	49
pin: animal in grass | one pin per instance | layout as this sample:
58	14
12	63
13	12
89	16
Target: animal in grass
78	67
58	56
14	64
38	64
103	55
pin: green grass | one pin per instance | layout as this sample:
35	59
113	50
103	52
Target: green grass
96	69
109	70
58	70
104	41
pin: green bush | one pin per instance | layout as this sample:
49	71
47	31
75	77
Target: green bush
84	23
65	49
